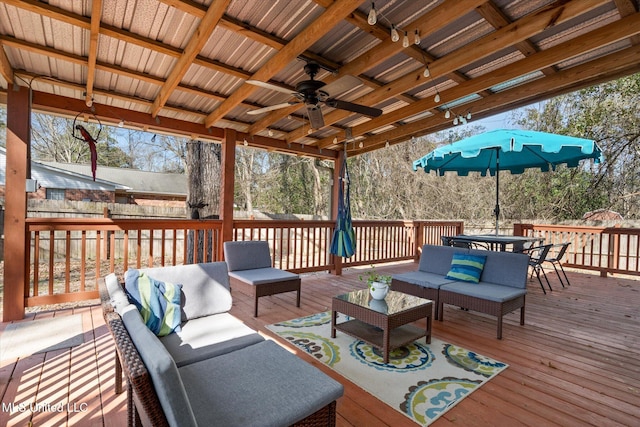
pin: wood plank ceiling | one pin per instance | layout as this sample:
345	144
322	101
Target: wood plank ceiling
183	66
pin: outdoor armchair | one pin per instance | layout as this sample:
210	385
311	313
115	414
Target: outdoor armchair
251	271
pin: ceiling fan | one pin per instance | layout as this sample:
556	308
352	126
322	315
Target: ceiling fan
313	93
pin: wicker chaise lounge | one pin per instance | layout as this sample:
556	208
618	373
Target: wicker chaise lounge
215	370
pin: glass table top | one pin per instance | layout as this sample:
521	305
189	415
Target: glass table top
394	302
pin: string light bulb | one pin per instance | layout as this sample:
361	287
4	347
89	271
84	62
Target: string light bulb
469	115
447	114
455	121
386	144
416	37
270	132
245	142
373	16
394	34
121	124
426	73
436	98
405	40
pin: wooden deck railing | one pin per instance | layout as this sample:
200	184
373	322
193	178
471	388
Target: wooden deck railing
604	249
67	256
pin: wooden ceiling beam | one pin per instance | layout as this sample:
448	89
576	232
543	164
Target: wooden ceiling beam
312	33
428	23
96	15
201	36
494	16
565	81
6	70
522	29
608	34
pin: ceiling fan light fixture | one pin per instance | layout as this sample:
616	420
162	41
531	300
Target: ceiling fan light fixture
395	36
405	40
373	16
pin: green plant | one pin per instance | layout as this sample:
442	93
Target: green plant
373	276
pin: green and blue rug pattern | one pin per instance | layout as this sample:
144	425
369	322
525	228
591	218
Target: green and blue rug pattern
421	380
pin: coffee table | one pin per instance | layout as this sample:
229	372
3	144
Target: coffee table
383	324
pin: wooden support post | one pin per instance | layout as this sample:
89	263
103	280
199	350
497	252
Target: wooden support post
15	255
337	261
228	182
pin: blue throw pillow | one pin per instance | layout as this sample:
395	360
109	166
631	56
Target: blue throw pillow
466	268
158	302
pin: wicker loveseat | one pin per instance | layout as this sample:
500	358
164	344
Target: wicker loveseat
502	287
215	370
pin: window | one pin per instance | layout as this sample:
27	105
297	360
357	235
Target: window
55	193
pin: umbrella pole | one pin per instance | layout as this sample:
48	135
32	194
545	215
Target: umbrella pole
496	211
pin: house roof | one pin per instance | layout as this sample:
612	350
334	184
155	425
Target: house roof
187	67
50	176
131	180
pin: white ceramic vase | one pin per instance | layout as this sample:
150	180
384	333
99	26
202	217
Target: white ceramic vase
378	290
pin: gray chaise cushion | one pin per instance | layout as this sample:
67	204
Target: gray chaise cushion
207	337
259	276
504	268
205	287
437	259
485	291
162	369
236	389
422	278
247	255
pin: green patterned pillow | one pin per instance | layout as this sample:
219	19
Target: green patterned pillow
466	268
158	302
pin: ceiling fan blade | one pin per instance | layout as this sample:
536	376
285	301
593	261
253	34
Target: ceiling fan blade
266	85
341	85
271	108
355	108
315	116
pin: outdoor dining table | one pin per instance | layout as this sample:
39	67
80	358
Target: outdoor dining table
499	242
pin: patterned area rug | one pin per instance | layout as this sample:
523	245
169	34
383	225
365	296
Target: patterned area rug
423	381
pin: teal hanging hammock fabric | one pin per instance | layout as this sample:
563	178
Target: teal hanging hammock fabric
343	243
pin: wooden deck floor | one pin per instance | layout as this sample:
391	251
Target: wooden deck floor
575	362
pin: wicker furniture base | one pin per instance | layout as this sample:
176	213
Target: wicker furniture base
394	329
493	308
266	289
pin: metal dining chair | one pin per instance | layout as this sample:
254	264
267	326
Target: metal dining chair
537	256
555	261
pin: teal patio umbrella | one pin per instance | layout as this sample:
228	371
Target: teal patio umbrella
343	243
511	150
